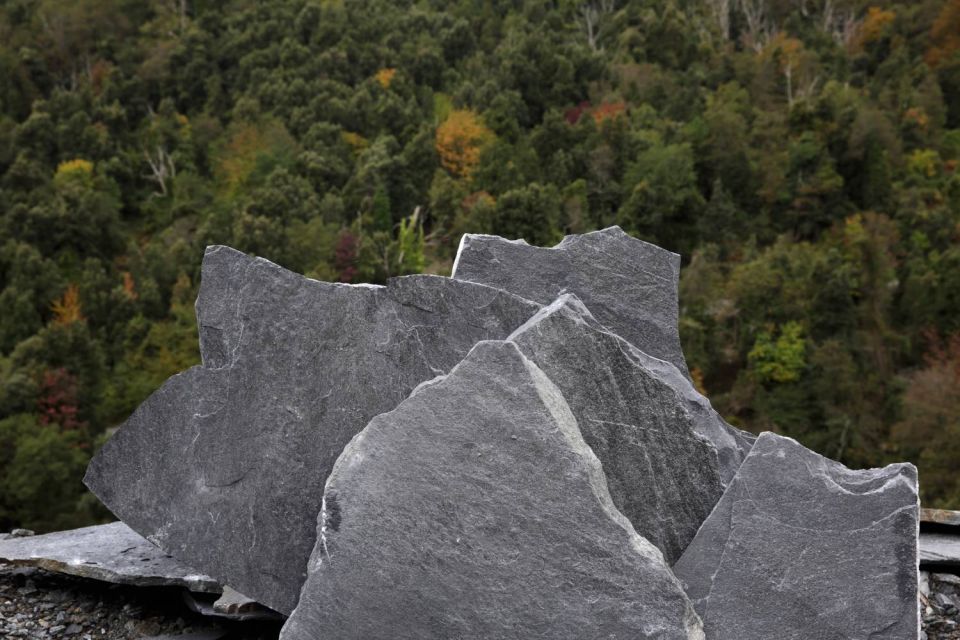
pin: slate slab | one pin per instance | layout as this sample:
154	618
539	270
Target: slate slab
939	550
666	453
224	466
110	552
629	285
476	510
801	548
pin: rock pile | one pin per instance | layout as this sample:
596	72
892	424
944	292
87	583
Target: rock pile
513	452
36	604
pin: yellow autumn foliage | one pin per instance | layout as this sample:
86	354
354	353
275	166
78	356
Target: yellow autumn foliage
67	309
75	166
385	76
460	140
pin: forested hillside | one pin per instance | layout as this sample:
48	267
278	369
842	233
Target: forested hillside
802	156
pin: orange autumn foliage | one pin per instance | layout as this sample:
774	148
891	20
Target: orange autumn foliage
608	111
67	310
129	286
944	34
459	141
873	26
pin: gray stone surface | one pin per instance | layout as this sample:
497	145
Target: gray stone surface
939	550
802	548
629	285
224	466
110	552
475	510
666	453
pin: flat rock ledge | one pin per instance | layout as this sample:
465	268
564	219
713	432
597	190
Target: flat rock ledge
110	552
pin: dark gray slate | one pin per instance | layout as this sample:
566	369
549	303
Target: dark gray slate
475	510
110	552
629	285
802	548
666	453
223	467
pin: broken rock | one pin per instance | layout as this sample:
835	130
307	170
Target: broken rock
224	466
629	285
476	510
666	453
110	552
801	547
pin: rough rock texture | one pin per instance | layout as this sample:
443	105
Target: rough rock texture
802	548
666	453
224	466
111	552
940	606
629	285
475	510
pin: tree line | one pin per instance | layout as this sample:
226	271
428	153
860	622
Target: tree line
801	155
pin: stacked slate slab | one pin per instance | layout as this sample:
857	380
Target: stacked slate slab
514	452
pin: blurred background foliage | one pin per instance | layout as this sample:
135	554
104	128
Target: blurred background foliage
801	155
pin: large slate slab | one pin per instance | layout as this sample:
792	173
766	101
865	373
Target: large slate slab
667	455
801	548
475	510
110	552
224	466
629	285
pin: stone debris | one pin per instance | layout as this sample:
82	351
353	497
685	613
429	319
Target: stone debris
233	602
476	510
666	453
629	285
794	531
223	467
36	604
940	606
231	605
110	552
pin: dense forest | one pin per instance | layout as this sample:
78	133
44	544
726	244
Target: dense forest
801	155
